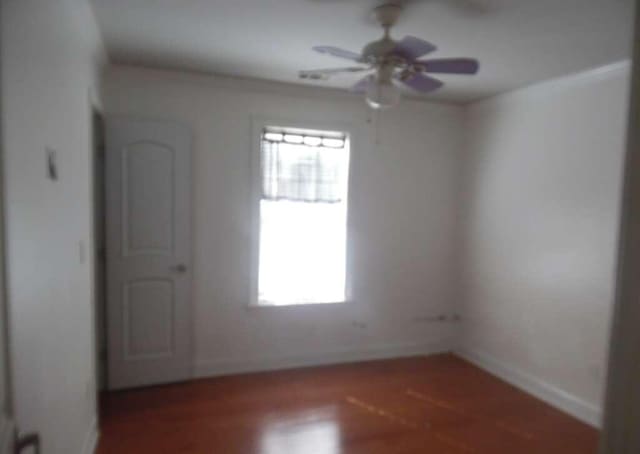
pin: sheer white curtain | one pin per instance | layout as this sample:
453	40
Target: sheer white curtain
301	172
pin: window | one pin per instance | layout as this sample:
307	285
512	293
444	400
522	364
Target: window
302	216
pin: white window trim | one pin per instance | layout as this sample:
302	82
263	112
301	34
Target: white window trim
258	123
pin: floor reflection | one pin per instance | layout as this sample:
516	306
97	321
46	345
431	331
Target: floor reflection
311	432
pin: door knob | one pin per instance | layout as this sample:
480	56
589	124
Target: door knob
180	268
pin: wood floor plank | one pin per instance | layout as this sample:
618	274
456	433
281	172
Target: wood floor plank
438	404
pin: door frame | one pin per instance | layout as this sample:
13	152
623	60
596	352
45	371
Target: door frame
8	432
7	423
98	245
622	408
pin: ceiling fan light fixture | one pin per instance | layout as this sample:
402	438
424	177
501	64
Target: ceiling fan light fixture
382	94
396	63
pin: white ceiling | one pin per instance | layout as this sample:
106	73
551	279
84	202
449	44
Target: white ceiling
518	42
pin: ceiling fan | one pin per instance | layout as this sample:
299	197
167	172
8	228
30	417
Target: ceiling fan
394	63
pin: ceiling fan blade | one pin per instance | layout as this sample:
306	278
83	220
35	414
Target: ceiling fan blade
362	85
337	52
450	65
325	73
421	83
411	47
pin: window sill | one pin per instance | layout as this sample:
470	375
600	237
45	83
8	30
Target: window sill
269	304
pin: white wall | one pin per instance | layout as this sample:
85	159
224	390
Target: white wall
518	233
542	191
400	220
50	55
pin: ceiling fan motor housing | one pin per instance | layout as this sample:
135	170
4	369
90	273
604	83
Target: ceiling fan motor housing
384	51
377	51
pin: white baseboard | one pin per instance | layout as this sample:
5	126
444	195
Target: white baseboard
204	369
554	396
91	439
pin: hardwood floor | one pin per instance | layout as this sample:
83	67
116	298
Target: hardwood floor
440	404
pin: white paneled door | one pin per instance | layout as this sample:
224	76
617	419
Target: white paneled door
148	214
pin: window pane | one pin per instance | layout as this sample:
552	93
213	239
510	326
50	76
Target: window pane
302	252
303	216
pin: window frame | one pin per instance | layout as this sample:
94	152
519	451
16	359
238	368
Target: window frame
258	124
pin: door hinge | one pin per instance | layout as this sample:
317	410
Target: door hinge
24	441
